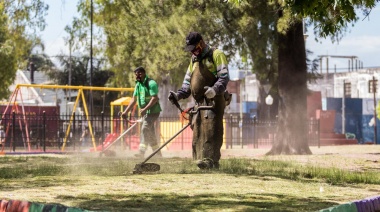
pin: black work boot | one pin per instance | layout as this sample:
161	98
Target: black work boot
205	164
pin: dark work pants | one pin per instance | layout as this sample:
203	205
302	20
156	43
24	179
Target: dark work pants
208	132
148	130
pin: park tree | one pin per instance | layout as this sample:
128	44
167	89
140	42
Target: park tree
7	58
19	23
330	19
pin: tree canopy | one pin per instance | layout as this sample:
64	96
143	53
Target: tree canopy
19	22
7	58
152	34
330	18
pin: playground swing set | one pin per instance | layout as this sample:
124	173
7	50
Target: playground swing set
19	108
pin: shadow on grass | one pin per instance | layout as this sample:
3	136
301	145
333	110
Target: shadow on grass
41	172
203	202
45	182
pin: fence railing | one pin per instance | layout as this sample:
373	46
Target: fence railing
43	132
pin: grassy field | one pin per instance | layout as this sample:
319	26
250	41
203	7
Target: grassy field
246	181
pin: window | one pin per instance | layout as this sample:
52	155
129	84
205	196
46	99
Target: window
371	83
347	90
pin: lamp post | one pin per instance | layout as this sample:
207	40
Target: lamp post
269	102
91	52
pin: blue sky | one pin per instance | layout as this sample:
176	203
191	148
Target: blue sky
60	14
362	40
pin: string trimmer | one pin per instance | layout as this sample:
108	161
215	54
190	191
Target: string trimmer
134	123
154	167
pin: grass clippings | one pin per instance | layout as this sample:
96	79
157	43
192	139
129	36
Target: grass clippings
246	181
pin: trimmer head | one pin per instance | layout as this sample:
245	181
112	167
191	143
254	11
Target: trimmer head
146	167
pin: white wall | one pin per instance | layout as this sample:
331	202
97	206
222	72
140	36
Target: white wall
332	85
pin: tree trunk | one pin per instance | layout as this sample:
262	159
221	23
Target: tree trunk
292	128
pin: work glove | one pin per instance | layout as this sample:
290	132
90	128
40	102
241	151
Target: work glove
210	92
173	96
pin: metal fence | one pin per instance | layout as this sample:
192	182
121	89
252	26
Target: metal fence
43	132
252	133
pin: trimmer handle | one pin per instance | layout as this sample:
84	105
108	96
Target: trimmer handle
196	109
175	102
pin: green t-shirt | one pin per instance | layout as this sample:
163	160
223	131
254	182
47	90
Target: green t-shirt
144	92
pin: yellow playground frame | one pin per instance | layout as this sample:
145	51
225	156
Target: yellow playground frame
67	87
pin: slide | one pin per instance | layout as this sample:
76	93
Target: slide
107	141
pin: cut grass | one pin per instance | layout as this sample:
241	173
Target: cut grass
276	183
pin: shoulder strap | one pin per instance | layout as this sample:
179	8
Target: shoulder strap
210	53
146	84
208	56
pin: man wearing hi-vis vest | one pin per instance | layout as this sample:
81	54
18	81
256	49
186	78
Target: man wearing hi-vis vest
206	80
145	94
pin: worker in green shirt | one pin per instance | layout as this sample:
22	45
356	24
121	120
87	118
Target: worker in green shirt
145	94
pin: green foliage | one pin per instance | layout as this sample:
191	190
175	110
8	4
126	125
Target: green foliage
18	20
152	34
25	18
7	55
330	17
254	30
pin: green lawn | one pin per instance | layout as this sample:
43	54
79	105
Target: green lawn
247	181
